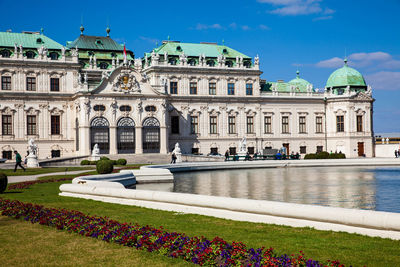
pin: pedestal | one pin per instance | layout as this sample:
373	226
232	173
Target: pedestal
32	161
95	157
178	157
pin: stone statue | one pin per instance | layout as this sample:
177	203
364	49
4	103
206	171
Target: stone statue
85	78
63	51
20	48
74	52
79	78
243	144
94	61
165	57
32	159
95	153
15	48
256	60
178	153
117	61
32	147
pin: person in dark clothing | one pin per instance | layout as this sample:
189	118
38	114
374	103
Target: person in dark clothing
173	158
226	155
18	161
396	153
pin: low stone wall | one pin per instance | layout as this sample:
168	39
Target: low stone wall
67	161
385	150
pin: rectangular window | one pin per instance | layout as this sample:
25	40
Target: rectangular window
193	88
285	124
359	123
55	153
212	88
54	84
55	124
213	125
250	149
250	124
249	89
267	124
6	83
194	124
7	154
340	123
173	88
175	124
231	125
303	150
6	121
214	151
31	124
232	150
195	150
31	83
231	89
319	149
318	124
302	124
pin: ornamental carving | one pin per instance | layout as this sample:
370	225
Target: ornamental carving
126	82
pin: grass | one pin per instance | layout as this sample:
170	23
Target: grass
35	171
320	245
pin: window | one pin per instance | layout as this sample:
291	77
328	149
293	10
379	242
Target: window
192	62
302	124
193	88
318	124
195	150
55	124
232	150
6	124
103	65
5	53
7	154
6	83
359	123
194	124
54	56
55	153
303	150
213	124
214	151
247	64
212	88
175	124
231	125
54	84
231	88
210	63
125	108
340	123
39	41
229	64
150	108
30	54
31	83
172	61
285	124
320	149
250	149
250	124
249	89
173	88
31	124
99	108
267	124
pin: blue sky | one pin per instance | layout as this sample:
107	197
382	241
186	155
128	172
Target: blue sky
310	35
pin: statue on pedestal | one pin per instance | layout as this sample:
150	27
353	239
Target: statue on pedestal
31	159
178	153
243	147
95	153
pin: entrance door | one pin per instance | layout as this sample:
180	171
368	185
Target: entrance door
99	134
286	145
126	136
151	135
360	149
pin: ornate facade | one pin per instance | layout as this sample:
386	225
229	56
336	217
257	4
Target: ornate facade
204	96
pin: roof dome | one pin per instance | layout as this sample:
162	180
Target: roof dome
300	84
345	76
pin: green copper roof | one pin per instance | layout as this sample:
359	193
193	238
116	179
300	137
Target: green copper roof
96	43
27	40
345	76
299	83
195	50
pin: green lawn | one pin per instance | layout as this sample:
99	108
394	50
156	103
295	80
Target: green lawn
320	245
35	171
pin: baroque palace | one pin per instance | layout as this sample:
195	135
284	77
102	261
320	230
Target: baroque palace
205	96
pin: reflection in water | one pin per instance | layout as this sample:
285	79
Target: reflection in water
347	187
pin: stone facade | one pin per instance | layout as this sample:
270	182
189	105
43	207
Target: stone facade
148	105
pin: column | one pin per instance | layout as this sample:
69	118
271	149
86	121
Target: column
113	140
138	140
84	140
163	140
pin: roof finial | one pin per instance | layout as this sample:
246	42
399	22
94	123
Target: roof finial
41	30
168	38
223	42
108	31
298	74
82	29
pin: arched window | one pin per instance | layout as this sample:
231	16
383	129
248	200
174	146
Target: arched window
151	135
30	54
125	108
99	108
53	55
126	135
211	63
103	65
5	53
229	63
178	48
99	134
39	41
150	108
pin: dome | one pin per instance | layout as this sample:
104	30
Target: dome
345	76
300	84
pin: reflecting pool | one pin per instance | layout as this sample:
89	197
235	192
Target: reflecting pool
375	188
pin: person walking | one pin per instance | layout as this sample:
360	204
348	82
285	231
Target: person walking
226	155
173	158
396	153
18	161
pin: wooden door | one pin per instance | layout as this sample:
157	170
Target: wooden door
286	145
360	149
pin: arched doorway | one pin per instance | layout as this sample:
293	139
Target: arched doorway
126	136
100	134
151	135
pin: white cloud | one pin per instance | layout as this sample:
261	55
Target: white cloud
264	27
323	18
233	25
201	26
148	39
384	80
297	7
330	63
245	28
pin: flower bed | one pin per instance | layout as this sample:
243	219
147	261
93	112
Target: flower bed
198	250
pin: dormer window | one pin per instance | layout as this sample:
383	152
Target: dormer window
113	54
90	53
229	63
30	54
54	56
225	51
247	64
178	48
99	108
172	61
5	53
99	42
39	41
103	65
192	62
211	63
150	108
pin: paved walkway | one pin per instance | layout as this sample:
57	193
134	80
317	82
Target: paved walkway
25	178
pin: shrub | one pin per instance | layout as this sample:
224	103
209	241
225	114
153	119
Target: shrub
337	156
323	155
85	162
93	162
121	162
104	166
3	182
104	158
310	156
114	162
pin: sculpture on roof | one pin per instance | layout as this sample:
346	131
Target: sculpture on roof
256	60
15	48
74	52
63	51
